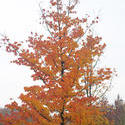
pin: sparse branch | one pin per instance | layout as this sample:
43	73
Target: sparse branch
103	94
96	62
58	18
46	22
68	8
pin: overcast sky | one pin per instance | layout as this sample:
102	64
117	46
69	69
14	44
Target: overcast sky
19	17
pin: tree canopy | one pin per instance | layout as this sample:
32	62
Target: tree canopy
66	64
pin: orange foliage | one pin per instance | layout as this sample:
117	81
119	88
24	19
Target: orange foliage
66	64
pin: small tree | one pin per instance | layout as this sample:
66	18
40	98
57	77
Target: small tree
66	64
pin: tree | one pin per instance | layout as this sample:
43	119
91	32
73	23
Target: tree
115	113
65	63
119	111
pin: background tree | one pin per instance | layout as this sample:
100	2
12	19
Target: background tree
118	114
65	62
115	113
119	111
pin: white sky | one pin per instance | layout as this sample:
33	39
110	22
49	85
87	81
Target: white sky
19	17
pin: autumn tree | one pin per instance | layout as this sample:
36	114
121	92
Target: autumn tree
66	64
